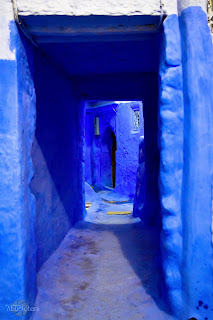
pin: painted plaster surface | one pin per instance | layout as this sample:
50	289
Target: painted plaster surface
94	7
57	158
27	123
102	270
17	205
171	116
197	169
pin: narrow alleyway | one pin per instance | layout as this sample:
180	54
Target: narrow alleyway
105	269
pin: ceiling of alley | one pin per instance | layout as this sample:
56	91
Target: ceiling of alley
98	44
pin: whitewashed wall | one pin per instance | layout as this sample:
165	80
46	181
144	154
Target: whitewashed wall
6	16
95	7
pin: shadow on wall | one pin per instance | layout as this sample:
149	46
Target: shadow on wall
57	159
140	194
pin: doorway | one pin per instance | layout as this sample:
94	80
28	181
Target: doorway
114	148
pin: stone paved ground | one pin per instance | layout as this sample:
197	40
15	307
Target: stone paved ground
102	271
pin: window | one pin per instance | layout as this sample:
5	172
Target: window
96	124
136	119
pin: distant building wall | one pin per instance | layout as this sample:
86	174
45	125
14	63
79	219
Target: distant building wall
127	136
119	118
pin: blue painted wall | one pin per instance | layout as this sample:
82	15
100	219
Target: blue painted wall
197	58
171	114
185	180
57	156
58	162
17	213
127	147
117	119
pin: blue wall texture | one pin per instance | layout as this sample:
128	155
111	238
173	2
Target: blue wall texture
185	180
57	156
17	213
171	161
118	119
197	57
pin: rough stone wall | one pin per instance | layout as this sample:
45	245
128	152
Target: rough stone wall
171	114
95	7
57	158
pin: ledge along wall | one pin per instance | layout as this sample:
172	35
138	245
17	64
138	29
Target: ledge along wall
17	204
57	156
